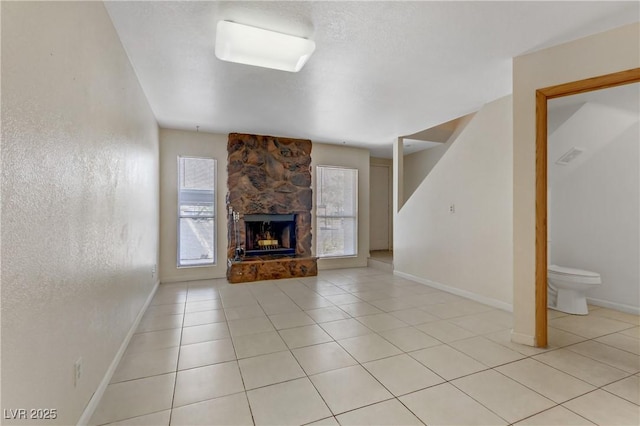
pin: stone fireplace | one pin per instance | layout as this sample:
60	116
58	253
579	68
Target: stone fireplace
270	234
269	193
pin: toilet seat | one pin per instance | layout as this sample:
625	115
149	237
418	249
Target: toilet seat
573	275
571	271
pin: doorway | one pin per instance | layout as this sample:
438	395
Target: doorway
542	96
380	209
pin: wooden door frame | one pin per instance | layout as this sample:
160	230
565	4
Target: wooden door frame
542	95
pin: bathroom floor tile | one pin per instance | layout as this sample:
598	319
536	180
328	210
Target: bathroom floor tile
228	410
360	308
269	369
632	332
588	326
402	374
609	355
621	341
552	314
603	408
349	388
582	367
616	315
505	397
204	317
557	338
202	383
445	405
555	416
547	381
291	403
387	413
628	389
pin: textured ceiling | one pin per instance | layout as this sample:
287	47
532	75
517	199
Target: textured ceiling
380	69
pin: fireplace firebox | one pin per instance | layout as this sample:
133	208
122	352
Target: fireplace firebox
270	234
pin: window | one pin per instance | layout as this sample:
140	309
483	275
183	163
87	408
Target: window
337	211
196	211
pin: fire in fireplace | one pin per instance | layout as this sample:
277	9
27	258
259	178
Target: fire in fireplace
270	234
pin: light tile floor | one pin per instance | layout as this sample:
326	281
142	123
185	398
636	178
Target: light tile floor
362	347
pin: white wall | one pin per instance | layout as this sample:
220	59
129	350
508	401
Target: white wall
469	251
79	202
195	144
418	165
592	56
335	155
594	220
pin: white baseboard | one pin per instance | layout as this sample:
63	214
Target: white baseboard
97	395
523	339
458	292
615	306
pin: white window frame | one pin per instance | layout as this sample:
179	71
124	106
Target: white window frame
211	216
354	216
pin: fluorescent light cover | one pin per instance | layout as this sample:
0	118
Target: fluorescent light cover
262	48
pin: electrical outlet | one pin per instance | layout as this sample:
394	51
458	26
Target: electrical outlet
154	268
452	208
77	371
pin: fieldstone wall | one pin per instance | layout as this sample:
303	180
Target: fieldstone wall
269	175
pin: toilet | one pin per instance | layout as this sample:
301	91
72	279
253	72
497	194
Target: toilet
567	288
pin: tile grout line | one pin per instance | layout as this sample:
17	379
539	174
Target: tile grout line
175	382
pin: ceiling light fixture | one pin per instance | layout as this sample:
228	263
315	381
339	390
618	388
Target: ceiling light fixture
261	48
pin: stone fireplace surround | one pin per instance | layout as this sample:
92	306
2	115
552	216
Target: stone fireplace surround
269	175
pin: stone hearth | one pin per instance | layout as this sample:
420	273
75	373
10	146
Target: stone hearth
269	175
